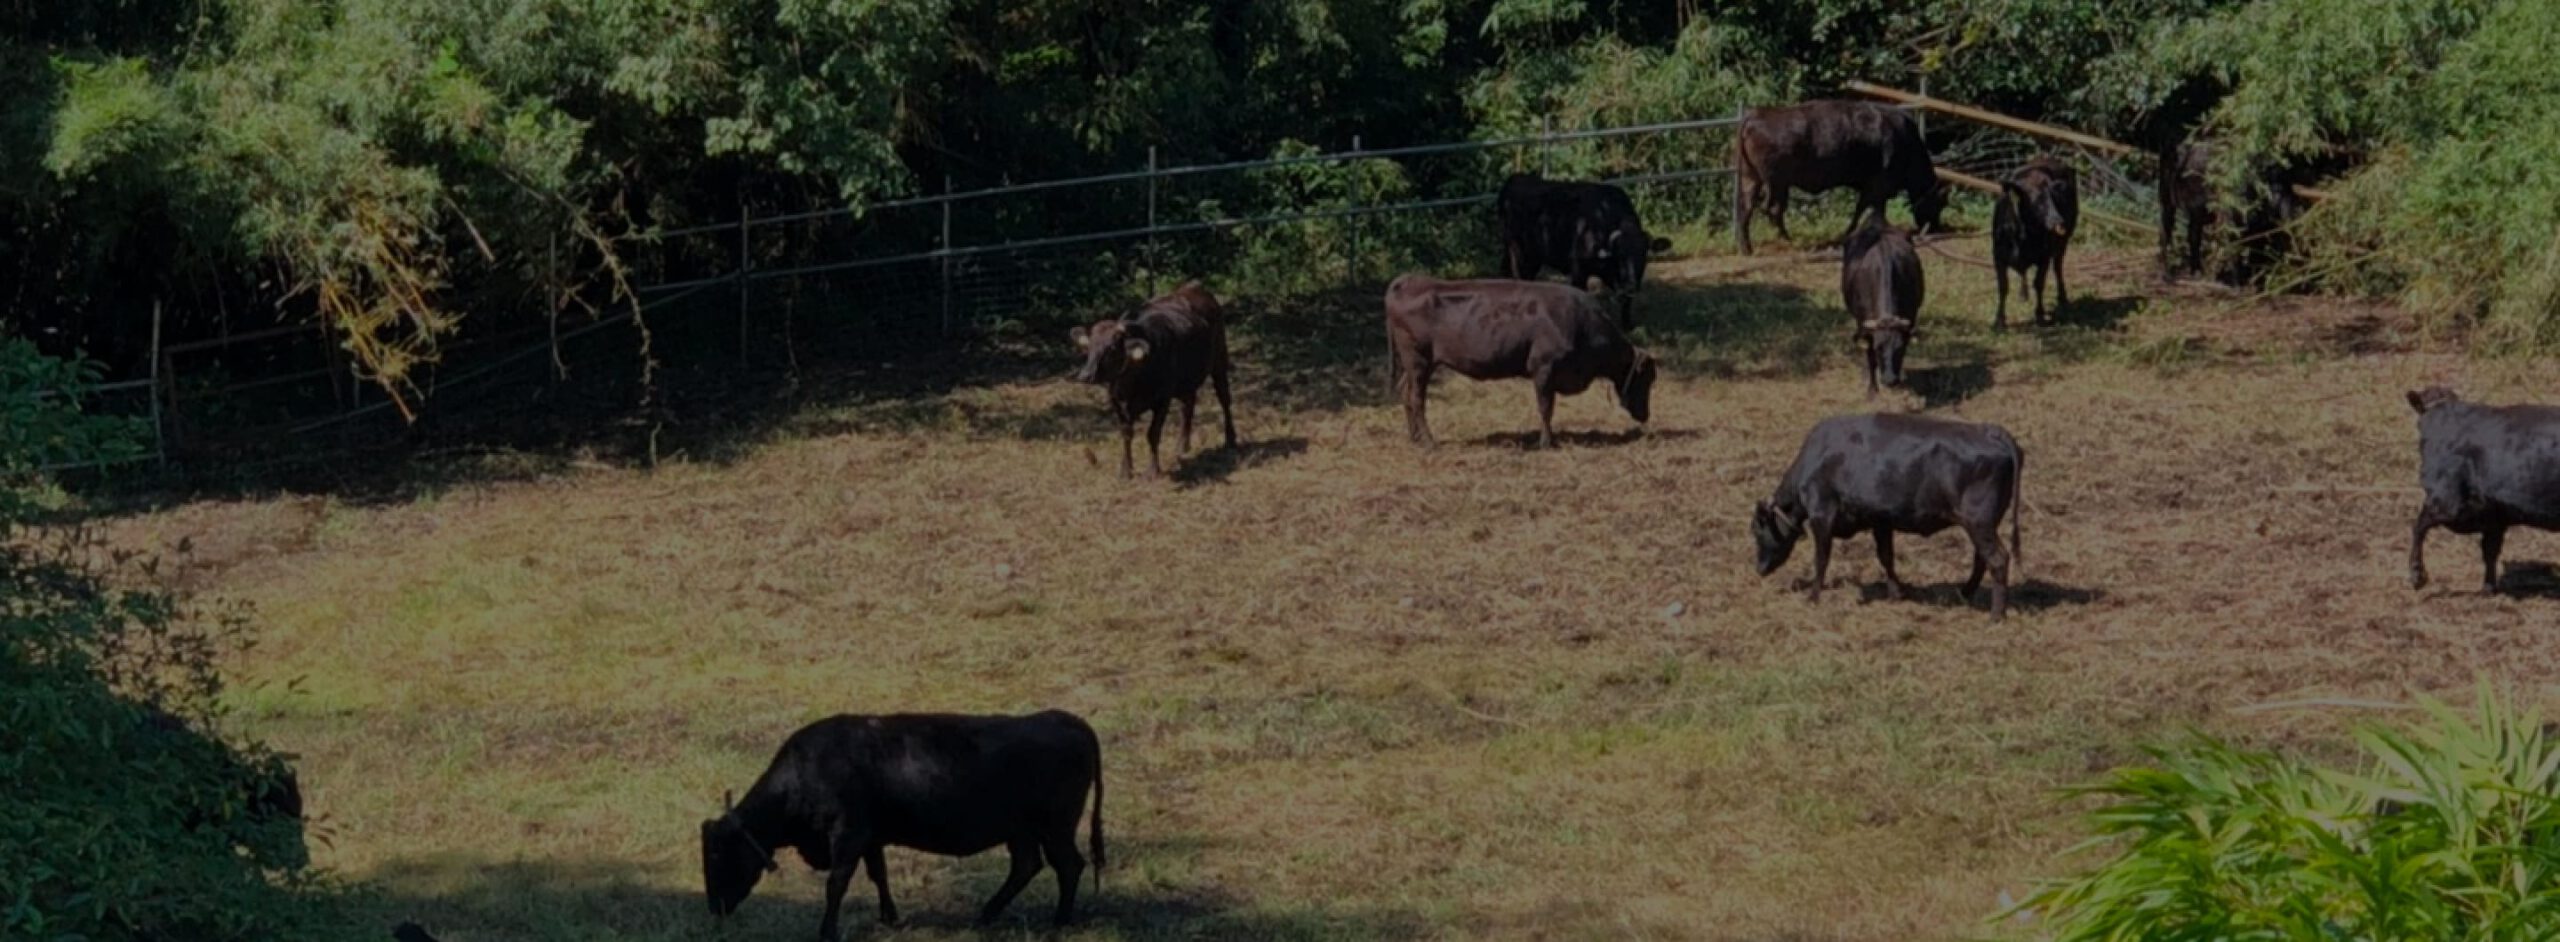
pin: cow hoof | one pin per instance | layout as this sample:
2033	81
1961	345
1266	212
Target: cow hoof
2417	579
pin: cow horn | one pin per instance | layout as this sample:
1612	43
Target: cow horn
728	801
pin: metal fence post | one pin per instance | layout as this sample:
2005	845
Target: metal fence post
1153	260
1351	224
1546	144
745	261
159	438
945	249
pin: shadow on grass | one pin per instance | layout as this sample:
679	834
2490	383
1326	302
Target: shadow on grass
1941	386
1580	438
1738	329
2102	314
2530	580
1322	353
1212	466
466	901
2031	595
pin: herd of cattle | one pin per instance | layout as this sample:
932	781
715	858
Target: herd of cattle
844	788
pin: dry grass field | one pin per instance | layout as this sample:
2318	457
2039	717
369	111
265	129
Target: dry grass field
1352	690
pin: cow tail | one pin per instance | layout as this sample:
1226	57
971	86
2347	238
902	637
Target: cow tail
2017	505
1094	839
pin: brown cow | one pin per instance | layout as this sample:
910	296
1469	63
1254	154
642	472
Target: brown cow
1557	337
1819	146
2031	229
1154	356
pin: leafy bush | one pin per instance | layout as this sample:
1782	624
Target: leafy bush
122	815
2451	831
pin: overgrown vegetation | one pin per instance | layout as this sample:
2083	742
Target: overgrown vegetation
2444	833
124	813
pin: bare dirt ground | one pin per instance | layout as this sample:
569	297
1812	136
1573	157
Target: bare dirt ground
1353	690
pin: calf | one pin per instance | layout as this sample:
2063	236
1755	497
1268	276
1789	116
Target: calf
845	788
1889	474
2186	189
1584	230
1880	282
2485	468
1559	338
1153	357
2031	229
1819	146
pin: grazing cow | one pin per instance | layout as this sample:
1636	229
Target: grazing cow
1820	146
2186	188
845	788
1560	338
2031	229
1889	474
2485	468
1881	284
1155	356
1584	230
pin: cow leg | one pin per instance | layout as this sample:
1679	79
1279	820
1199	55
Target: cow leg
1746	200
1821	527
1188	402
1884	557
1128	436
1546	414
2061	285
1777	203
2492	540
2195	242
1226	403
1417	396
1155	440
1988	551
1026	864
846	851
2000	314
1871	371
877	861
1069	864
2039	279
2418	546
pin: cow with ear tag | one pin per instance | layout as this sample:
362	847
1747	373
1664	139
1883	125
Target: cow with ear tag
1155	357
1881	284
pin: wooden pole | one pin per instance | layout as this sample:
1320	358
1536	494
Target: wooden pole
2024	126
1971	182
159	438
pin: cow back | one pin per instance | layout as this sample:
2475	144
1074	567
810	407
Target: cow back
1880	274
1827	144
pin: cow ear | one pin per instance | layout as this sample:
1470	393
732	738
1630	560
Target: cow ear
1137	350
1081	336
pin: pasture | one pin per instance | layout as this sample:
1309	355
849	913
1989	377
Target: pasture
1352	690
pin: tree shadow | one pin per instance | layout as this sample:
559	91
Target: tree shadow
1941	386
2096	314
2031	595
470	900
1213	466
1739	329
1326	352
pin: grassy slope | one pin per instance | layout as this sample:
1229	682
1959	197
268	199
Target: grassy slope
1352	690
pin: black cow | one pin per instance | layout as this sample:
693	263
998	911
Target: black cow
1559	338
1584	230
2186	188
1880	282
1889	474
2031	229
1820	146
1155	356
2485	468
845	788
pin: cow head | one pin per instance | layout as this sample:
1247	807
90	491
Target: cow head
732	862
1774	530
1109	349
2431	397
1623	252
1636	391
2032	199
1887	337
1927	203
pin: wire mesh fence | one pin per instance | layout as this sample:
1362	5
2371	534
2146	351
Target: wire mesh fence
761	296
